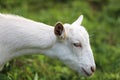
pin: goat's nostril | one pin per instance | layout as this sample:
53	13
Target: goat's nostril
93	69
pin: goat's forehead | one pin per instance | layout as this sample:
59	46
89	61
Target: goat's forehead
78	31
78	34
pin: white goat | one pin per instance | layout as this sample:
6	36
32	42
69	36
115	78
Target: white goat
68	42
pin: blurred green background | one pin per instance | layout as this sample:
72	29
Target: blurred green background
101	19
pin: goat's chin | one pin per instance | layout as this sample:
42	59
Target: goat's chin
83	73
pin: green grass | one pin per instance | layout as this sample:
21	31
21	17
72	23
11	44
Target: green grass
101	19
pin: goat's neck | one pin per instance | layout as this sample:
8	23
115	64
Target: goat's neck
20	36
37	39
39	43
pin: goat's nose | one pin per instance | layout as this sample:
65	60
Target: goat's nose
92	68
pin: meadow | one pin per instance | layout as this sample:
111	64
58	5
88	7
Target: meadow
102	21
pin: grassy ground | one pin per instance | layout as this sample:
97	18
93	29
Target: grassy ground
101	19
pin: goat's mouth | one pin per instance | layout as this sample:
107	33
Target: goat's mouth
86	73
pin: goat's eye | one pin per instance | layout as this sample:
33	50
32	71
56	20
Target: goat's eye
77	44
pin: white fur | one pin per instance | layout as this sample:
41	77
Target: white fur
20	36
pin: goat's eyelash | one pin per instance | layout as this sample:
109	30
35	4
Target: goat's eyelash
77	44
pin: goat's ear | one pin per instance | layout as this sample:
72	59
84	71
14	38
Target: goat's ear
78	21
59	31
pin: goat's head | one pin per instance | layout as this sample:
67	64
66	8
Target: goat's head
74	47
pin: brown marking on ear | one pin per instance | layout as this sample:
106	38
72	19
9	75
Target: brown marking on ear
59	29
